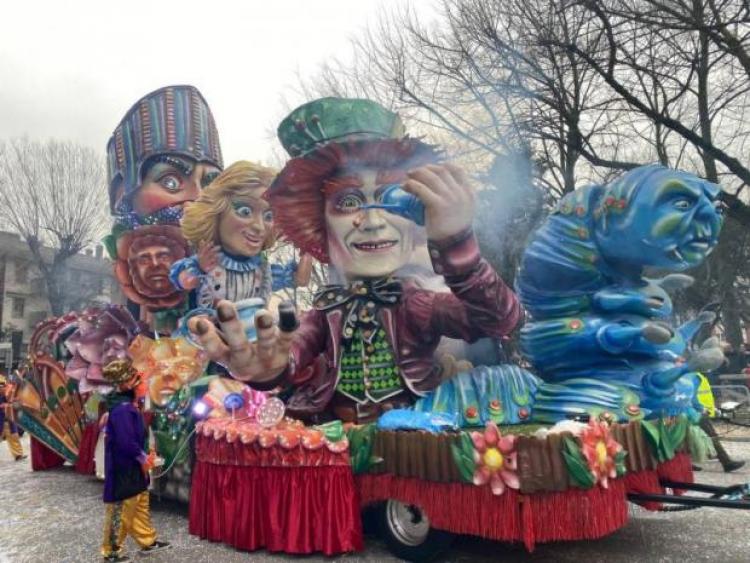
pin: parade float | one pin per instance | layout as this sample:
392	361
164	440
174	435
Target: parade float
281	433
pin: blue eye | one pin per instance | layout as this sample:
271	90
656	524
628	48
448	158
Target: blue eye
243	211
268	216
170	182
208	178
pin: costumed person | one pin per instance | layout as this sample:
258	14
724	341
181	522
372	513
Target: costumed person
351	196
127	464
706	398
231	226
161	155
8	428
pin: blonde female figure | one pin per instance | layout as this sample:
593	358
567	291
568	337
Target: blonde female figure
231	226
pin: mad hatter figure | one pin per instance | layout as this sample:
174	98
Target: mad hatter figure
231	225
350	196
160	156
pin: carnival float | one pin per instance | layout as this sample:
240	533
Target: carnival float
280	429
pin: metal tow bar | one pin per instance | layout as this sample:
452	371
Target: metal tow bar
732	496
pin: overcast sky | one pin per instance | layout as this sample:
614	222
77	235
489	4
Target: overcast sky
71	69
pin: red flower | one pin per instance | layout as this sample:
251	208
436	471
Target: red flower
495	459
600	449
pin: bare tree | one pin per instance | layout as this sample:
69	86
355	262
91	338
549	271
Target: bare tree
587	88
53	194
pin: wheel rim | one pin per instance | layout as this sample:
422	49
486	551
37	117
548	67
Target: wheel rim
408	523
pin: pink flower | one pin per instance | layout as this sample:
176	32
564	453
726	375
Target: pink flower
600	449
495	459
101	336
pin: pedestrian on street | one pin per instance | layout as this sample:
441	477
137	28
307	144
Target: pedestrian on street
8	428
127	464
706	398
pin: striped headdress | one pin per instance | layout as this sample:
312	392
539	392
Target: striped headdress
174	120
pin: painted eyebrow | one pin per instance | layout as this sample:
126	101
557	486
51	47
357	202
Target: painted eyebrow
176	163
252	201
678	188
347	191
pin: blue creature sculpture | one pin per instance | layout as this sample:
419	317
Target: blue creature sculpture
600	334
503	394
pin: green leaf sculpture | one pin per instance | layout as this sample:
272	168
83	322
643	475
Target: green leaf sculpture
463	457
578	469
360	448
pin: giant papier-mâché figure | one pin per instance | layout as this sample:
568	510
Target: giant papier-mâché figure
231	228
346	198
600	333
160	156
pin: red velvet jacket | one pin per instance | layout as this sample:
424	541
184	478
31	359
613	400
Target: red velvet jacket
479	305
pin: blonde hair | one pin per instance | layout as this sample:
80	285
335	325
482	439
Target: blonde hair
200	222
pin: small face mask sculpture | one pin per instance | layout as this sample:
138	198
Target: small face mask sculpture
144	257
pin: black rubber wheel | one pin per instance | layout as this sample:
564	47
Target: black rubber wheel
407	532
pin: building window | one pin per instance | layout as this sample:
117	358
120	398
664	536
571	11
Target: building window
22	271
19	304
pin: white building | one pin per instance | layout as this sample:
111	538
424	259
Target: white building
23	299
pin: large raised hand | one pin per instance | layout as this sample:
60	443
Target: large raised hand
259	361
447	196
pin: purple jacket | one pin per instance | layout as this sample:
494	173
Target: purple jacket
123	449
479	305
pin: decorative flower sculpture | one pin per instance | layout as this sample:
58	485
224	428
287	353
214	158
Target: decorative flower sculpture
101	336
601	451
495	458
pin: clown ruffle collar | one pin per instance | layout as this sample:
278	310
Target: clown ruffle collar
240	263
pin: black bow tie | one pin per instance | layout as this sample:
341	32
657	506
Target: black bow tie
361	300
380	292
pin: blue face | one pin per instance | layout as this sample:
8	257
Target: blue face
672	221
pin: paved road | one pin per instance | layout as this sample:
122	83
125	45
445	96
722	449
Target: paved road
56	517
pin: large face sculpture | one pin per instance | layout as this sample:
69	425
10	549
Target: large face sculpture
171	181
245	227
365	243
666	219
163	151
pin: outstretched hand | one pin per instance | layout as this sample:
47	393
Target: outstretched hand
228	345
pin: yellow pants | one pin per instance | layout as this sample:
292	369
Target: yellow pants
129	517
14	442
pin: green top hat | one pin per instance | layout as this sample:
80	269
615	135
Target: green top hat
337	119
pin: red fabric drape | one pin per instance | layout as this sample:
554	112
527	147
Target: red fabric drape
43	458
295	510
679	468
87	449
574	514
